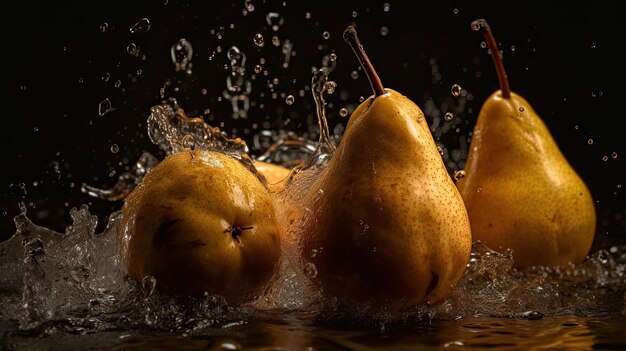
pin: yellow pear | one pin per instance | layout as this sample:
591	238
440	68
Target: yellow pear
201	222
387	226
274	174
520	191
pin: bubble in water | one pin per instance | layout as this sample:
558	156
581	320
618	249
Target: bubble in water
310	270
104	107
258	40
614	155
142	26
330	86
148	284
258	69
115	149
326	35
449	116
354	75
249	5
521	109
275	20
289	100
384	30
456	90
182	53
458	175
343	112
590	141
332	57
386	7
132	49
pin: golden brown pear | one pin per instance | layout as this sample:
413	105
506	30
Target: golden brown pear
387	225
201	223
520	191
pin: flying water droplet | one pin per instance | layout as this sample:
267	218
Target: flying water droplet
386	7
275	41
258	69
332	57
132	49
104	107
614	155
249	5
459	174
275	20
142	26
449	116
330	86
258	40
384	30
289	100
343	112
104	27
115	149
326	35
456	90
483	44
590	141
354	75
182	53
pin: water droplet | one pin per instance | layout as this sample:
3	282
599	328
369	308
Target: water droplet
521	109
132	49
354	14
448	116
332	57
289	100
483	44
330	86
440	150
104	27
104	107
590	141
384	30
479	190
605	158
249	5
275	20
148	284
512	47
386	7
275	41
326	35
455	11
115	149
118	83
361	98
182	53
354	75
456	90
258	40
307	15
458	175
614	155
189	142
310	270
343	112
106	77
580	193
142	26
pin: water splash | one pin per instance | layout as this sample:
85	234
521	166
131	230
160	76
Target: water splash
182	53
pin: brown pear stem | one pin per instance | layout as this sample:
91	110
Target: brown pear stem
350	37
482	26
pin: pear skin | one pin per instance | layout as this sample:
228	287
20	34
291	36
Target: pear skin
387	224
201	222
520	191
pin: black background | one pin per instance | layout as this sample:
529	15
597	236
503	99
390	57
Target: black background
54	56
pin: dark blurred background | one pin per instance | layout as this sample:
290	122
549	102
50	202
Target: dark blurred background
61	59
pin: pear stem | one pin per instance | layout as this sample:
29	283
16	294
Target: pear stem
351	38
482	26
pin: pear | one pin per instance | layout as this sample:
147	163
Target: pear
387	227
200	221
520	191
274	174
